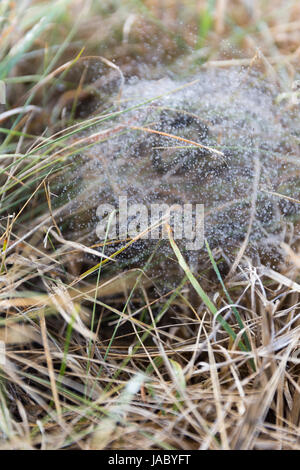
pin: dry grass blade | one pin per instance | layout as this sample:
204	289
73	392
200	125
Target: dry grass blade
176	137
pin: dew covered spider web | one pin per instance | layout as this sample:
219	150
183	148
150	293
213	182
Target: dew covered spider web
234	112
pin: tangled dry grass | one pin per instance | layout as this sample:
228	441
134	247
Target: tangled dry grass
97	359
